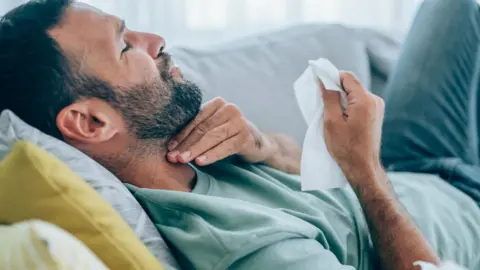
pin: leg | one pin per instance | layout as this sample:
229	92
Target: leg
431	99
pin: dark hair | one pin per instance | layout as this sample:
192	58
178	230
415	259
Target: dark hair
35	75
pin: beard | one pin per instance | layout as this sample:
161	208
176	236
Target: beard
160	109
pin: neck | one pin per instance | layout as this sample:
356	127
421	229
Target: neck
157	173
154	171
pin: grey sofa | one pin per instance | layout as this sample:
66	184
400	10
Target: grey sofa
257	72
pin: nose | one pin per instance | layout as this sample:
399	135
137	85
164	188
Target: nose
151	43
157	45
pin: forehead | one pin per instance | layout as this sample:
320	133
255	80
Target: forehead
83	19
85	30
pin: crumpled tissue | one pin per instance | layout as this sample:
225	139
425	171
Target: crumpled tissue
319	171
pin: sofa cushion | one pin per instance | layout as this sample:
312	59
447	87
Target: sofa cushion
12	129
257	73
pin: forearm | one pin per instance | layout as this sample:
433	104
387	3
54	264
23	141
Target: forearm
397	240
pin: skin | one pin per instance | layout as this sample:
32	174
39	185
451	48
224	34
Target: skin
220	130
353	138
130	58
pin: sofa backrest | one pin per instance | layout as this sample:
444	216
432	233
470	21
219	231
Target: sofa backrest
257	72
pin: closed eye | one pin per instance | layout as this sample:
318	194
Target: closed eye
127	47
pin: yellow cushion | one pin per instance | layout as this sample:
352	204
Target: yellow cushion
35	185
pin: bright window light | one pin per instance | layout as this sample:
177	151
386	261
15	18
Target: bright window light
266	11
320	10
206	14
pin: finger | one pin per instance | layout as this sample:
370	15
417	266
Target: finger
351	84
211	140
207	110
173	156
332	103
223	150
220	117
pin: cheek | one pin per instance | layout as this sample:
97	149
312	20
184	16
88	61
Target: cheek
140	69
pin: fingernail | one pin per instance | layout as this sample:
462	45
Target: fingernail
202	159
172	145
173	154
185	155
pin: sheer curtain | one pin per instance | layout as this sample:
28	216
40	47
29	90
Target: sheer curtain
201	22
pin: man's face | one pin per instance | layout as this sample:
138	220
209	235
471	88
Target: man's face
151	95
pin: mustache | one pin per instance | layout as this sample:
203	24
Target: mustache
164	66
166	61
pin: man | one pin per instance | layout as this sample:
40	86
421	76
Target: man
83	76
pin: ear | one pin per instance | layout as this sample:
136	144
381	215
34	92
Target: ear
89	121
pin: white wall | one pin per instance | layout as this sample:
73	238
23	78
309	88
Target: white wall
200	22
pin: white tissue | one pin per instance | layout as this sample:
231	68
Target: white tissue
319	171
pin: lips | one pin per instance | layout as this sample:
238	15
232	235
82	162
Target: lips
169	66
172	67
175	71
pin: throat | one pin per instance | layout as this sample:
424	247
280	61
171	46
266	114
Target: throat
157	173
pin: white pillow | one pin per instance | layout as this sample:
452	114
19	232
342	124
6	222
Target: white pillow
41	245
105	183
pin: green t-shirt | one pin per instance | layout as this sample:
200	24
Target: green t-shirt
254	217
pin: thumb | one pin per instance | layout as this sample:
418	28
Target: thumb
331	102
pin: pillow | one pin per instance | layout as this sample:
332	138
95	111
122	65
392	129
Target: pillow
36	185
106	184
40	245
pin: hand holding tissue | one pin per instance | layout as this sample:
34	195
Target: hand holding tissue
319	171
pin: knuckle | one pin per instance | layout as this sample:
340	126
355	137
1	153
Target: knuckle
240	123
232	108
349	76
244	126
201	129
196	121
371	100
376	101
243	122
219	101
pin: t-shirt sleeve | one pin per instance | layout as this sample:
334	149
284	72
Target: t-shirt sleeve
291	254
